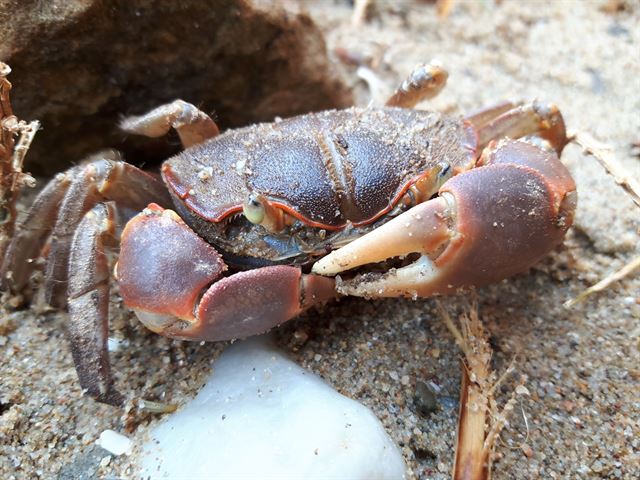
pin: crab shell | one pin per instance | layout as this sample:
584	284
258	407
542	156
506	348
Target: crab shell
327	171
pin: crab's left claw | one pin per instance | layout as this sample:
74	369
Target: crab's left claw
488	223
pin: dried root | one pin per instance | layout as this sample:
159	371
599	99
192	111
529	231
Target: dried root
481	419
15	138
605	282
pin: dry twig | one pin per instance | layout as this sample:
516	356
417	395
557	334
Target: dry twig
480	420
359	14
605	282
602	153
12	154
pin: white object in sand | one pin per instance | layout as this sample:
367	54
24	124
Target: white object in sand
114	442
260	415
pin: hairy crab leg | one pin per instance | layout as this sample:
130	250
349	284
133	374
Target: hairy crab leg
89	302
32	233
536	118
171	278
487	224
424	82
193	125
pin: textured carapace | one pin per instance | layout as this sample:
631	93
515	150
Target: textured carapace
325	169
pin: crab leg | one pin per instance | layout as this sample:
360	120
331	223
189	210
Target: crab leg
487	224
89	302
484	115
100	180
30	237
424	82
193	125
531	118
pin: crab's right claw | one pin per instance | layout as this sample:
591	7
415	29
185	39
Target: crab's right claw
488	223
175	283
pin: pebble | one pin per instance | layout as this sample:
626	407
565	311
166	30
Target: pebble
114	442
260	415
425	399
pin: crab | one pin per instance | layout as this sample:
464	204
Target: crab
246	229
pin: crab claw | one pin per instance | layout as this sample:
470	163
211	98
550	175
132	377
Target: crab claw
421	229
488	223
175	283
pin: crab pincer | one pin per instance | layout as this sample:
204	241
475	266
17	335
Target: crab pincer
487	223
174	282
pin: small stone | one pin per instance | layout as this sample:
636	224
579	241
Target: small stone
434	352
527	450
597	466
114	442
404	380
7	325
425	399
299	338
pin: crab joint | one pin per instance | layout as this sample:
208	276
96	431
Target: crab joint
424	188
259	211
427	186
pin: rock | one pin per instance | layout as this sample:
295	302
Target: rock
425	399
260	415
79	65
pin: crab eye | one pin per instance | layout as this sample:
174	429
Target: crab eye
445	172
253	209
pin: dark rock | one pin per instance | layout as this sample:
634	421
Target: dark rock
79	65
425	399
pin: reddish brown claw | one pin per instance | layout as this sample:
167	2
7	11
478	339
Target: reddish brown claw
168	274
488	223
253	302
163	266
